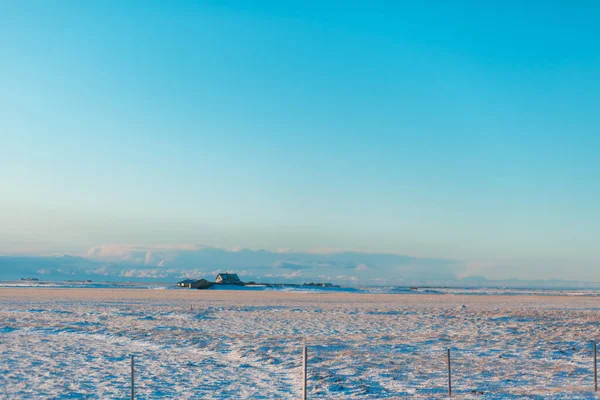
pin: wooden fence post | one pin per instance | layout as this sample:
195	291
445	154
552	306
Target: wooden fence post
449	375
304	374
132	380
595	369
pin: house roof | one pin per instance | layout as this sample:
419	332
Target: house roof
225	276
187	281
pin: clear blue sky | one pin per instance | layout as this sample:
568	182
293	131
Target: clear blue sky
456	130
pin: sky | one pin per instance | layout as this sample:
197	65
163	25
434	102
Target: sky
464	131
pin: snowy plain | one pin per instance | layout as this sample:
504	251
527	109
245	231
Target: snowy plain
75	344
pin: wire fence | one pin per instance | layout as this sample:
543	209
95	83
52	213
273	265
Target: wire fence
393	371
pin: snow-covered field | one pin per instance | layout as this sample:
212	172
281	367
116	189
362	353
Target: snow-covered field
75	343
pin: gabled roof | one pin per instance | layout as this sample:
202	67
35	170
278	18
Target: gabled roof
187	281
228	276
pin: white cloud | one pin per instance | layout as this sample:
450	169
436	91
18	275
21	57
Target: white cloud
132	251
293	274
103	270
361	267
171	262
143	273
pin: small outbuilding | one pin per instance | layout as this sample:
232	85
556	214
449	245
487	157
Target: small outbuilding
186	283
228	279
195	284
201	284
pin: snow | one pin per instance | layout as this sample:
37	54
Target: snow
221	345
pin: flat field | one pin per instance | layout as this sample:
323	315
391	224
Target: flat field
75	343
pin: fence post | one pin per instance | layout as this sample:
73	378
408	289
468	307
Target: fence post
595	369
132	380
449	375
304	374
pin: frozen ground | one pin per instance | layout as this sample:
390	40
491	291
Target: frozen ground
74	343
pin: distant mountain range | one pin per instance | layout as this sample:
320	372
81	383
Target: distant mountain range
173	263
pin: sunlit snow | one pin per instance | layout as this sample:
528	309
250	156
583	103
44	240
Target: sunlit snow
248	345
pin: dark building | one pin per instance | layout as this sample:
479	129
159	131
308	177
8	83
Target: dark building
195	284
228	279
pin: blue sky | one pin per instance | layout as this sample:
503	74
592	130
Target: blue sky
456	131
